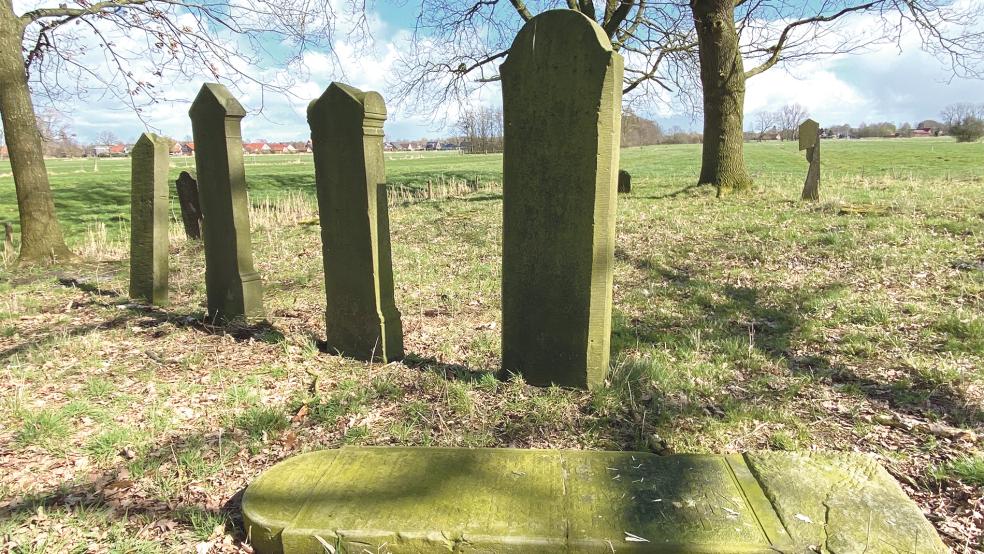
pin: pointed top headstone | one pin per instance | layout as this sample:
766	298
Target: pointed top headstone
808	134
214	97
361	318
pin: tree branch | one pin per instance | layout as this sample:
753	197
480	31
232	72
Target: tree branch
65	11
520	6
784	36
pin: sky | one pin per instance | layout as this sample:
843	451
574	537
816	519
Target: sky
885	83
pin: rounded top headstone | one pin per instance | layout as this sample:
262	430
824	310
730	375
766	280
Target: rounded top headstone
578	29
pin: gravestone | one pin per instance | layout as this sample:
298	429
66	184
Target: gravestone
561	93
149	206
234	289
809	140
624	181
560	501
191	210
361	318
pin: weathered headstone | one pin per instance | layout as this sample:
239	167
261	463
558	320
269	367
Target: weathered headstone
809	140
361	318
561	92
234	289
624	181
191	210
561	501
148	219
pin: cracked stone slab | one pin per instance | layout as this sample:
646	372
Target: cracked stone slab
507	500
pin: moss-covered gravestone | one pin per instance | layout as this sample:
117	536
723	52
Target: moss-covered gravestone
191	210
361	318
234	290
506	501
148	219
561	93
809	140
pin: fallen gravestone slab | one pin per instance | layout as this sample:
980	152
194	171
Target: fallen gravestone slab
505	500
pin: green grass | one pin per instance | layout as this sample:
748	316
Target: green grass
969	469
742	323
96	191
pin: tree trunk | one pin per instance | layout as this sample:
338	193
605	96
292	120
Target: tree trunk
722	76
41	235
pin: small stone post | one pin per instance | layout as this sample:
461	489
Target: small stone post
361	318
562	95
809	140
149	208
234	289
191	210
624	181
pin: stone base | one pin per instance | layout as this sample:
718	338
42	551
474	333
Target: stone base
505	500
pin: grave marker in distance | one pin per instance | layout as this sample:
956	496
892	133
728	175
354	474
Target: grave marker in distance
561	92
624	181
191	209
149	207
809	140
361	318
234	289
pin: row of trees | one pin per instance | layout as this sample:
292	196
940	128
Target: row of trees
693	52
481	130
965	121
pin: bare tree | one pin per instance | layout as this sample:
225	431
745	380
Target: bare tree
481	130
674	48
765	122
965	121
107	137
49	51
788	119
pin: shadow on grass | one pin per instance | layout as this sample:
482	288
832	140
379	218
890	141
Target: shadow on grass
769	321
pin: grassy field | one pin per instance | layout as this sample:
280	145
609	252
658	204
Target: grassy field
753	322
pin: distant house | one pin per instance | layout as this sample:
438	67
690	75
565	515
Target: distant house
281	148
176	149
308	146
188	148
256	148
432	145
3	153
108	150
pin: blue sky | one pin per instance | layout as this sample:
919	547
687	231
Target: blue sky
884	83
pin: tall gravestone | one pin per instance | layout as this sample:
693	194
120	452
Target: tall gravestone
809	140
191	210
234	289
149	207
561	92
361	317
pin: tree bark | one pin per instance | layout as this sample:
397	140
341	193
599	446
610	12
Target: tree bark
41	235
722	76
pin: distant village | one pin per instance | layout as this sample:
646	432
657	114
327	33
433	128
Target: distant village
258	147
